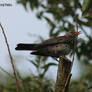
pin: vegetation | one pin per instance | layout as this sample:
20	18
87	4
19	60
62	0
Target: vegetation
61	16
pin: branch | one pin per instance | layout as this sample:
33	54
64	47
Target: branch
20	80
10	57
64	69
6	72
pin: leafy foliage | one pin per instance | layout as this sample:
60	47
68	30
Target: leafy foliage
33	83
65	14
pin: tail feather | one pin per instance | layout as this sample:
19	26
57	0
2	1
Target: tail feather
23	46
39	53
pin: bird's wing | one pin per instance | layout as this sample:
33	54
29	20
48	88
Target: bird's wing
56	40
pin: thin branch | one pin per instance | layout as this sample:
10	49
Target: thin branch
64	71
67	86
62	75
11	58
6	72
20	80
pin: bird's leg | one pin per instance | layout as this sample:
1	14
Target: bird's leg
64	57
55	59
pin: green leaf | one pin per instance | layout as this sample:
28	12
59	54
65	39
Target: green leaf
27	79
33	63
51	32
87	8
23	2
51	23
46	66
31	6
85	4
39	15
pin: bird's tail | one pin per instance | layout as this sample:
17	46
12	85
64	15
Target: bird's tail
23	46
39	53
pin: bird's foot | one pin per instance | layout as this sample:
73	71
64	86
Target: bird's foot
55	59
64	57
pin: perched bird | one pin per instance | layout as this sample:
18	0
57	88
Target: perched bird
54	47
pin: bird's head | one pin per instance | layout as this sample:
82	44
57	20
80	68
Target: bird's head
72	34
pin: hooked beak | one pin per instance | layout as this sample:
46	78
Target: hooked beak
77	33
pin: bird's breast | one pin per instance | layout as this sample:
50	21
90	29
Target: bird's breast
60	49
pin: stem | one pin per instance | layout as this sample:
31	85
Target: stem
11	58
64	68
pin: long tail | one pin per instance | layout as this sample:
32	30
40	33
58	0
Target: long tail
22	46
39	53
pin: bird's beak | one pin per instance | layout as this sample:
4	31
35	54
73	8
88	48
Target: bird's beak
77	33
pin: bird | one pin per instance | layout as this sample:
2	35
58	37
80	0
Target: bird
54	47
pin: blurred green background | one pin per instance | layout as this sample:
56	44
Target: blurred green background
61	16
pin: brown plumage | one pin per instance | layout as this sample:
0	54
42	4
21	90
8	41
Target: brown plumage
53	47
